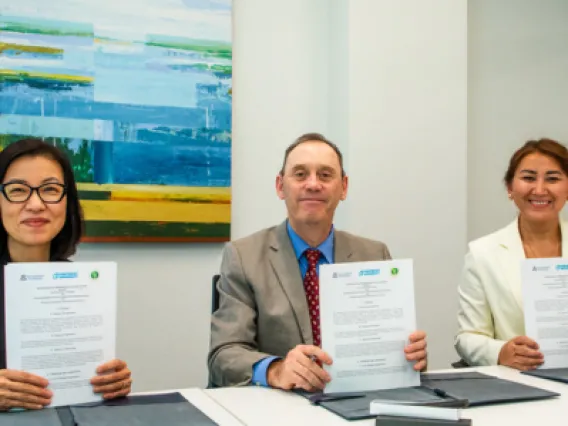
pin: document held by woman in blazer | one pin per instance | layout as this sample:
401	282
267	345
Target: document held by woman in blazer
491	318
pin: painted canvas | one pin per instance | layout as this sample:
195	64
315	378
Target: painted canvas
138	94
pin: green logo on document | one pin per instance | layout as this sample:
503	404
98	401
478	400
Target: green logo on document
94	275
394	271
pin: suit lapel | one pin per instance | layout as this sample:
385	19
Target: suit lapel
510	255
342	248
287	270
512	252
564	235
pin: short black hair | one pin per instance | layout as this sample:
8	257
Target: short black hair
312	137
65	243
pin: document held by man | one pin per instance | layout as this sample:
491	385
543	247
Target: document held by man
61	324
367	312
545	300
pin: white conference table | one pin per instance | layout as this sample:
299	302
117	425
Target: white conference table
256	406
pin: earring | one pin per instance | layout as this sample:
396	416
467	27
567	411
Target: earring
510	196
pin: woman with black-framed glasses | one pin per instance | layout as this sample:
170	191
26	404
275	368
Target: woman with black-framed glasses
41	222
19	191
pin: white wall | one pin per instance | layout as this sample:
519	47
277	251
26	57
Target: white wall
518	90
164	301
386	79
407	146
280	52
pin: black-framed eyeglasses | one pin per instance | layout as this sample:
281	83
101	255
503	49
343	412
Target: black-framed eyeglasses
20	192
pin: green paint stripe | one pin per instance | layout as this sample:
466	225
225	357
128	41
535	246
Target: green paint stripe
95	195
111	228
217	49
45	26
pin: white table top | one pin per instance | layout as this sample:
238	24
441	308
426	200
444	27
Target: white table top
260	406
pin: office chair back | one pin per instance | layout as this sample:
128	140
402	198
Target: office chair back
214	307
214	293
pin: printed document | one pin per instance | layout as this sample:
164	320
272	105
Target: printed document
367	313
545	300
61	324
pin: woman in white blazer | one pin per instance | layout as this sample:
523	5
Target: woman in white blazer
491	319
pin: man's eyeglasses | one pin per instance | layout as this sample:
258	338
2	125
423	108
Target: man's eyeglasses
19	192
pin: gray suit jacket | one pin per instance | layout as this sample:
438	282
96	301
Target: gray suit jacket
263	309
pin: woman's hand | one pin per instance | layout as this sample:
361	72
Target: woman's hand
19	389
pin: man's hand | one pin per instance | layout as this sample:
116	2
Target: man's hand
416	350
19	389
300	369
113	379
521	353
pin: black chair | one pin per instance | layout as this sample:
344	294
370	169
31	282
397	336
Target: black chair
460	364
214	307
214	293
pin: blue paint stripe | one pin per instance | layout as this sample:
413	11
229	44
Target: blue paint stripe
46	127
67	108
104	131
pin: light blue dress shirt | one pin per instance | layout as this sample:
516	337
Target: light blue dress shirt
260	369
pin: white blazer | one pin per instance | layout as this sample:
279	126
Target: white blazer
490	295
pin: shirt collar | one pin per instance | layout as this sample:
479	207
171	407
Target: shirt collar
300	246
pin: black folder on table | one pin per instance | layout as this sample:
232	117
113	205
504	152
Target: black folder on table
556	374
437	389
481	389
45	417
356	405
169	409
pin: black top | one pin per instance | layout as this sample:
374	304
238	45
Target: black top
5	259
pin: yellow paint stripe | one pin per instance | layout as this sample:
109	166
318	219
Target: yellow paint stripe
160	192
136	196
156	211
153	188
28	48
49	76
110	41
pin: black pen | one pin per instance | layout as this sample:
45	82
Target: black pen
440	392
450	401
322	397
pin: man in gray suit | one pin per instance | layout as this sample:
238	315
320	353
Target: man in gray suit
266	330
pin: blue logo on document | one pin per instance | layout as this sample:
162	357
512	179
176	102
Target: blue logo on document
63	275
561	267
369	272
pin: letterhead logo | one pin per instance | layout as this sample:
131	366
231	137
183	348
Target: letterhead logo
561	267
540	268
394	272
341	275
94	275
64	275
31	277
366	272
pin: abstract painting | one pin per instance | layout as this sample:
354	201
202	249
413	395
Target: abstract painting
138	93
